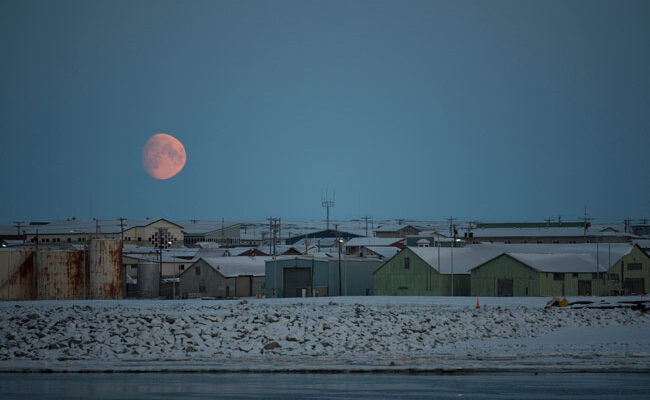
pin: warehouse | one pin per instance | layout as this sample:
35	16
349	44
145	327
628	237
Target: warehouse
224	277
431	271
563	270
306	276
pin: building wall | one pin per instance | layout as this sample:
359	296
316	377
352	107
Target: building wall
485	278
208	283
169	269
617	273
142	235
356	276
420	279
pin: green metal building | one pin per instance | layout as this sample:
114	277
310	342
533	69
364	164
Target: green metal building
428	271
563	271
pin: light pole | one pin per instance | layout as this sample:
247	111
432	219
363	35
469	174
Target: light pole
4	245
340	243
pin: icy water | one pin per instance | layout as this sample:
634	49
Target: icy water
324	386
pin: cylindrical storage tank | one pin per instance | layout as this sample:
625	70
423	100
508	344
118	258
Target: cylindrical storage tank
105	269
18	276
60	275
148	281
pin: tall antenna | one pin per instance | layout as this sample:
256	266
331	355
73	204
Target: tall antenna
328	203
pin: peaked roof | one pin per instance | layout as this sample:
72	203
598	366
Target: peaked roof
464	258
373	241
231	267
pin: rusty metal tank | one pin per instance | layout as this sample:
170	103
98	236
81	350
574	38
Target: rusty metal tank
106	277
17	269
60	275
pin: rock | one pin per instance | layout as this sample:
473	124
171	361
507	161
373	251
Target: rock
170	320
271	346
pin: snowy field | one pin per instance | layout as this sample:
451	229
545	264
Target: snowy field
322	334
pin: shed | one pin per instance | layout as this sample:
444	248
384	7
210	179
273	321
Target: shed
224	277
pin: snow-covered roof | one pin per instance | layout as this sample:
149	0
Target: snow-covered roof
568	231
383	251
197	227
571	262
473	255
237	266
464	258
373	241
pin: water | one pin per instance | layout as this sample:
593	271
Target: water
325	386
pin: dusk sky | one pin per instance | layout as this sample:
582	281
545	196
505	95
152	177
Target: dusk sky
491	110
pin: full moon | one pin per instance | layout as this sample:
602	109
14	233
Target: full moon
163	156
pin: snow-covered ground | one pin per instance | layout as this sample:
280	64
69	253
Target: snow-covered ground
337	333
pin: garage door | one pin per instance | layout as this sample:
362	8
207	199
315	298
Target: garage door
505	288
243	286
634	286
296	279
584	288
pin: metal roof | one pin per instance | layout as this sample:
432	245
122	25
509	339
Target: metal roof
236	266
372	241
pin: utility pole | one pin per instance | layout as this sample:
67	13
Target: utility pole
597	267
338	242
587	224
18	224
122	219
366	217
439	269
96	225
453	232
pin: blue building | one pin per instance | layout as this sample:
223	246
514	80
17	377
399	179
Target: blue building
305	276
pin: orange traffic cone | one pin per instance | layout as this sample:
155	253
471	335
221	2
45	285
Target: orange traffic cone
477	305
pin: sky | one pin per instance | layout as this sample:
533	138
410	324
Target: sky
488	110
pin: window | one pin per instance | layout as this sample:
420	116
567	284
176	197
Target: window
197	271
139	239
407	263
575	275
613	277
634	266
558	276
201	288
69	240
181	267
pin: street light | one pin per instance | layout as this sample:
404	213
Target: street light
340	243
4	245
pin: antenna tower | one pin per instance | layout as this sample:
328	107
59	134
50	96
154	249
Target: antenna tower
328	203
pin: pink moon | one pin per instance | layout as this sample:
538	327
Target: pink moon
163	156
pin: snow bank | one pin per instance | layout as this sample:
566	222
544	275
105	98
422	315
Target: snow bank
322	332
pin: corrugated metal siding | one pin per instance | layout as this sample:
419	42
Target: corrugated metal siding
107	272
484	280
